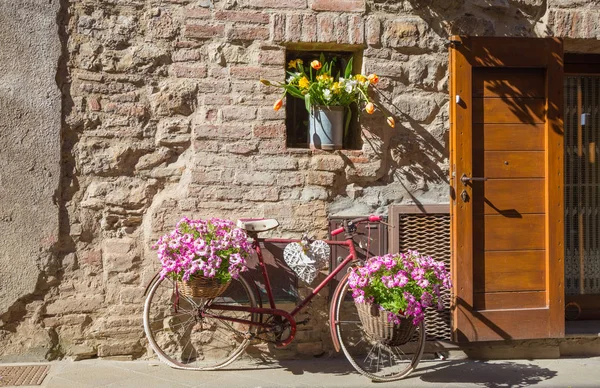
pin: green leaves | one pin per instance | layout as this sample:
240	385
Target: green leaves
348	71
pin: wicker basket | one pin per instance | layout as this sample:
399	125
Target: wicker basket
202	287
376	325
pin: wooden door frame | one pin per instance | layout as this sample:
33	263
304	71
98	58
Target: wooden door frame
547	55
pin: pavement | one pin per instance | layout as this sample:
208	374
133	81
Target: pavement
326	372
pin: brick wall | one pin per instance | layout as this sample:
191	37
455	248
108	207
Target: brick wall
164	117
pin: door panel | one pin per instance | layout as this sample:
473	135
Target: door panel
506	233
519	137
500	199
510	300
506	126
511	271
508	110
501	82
514	164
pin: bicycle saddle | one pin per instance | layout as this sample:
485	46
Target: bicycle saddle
257	224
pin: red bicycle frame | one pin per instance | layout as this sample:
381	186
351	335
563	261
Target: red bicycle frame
349	228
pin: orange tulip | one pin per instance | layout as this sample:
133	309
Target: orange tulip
278	104
391	122
370	108
316	65
373	79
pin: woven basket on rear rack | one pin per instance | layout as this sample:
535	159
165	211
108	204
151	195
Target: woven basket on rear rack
202	287
376	325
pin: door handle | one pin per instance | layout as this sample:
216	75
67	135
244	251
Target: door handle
466	179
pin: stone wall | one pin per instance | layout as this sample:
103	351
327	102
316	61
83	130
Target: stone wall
163	116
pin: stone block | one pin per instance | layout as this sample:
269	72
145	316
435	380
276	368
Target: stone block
293	4
472	25
356	29
419	108
242	147
275	163
200	30
293	27
119	348
290	179
241	114
173	132
248	33
338	5
256	73
222	131
277	27
320	178
188	71
327	163
272	146
256	178
260	194
404	32
313	193
325	28
174	97
271	57
78	304
309	28
243	17
119	255
80	352
269	130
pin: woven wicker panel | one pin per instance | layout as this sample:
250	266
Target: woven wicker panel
582	185
428	234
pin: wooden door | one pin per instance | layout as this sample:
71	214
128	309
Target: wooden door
507	231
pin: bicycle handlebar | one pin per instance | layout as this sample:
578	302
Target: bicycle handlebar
371	218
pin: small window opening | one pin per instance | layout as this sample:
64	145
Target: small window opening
296	113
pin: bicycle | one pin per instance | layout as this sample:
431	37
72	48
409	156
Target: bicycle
207	334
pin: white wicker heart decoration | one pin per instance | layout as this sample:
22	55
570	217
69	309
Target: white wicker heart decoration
307	260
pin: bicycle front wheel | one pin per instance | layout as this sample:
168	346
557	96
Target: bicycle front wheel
186	333
371	357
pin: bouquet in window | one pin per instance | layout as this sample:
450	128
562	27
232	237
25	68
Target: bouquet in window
318	86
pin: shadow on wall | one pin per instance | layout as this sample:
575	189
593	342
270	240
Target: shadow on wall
480	17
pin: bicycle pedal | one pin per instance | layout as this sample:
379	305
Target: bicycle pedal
303	322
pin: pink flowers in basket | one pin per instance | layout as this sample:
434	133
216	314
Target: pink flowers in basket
403	285
211	248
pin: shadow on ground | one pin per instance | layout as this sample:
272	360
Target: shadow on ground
486	374
337	366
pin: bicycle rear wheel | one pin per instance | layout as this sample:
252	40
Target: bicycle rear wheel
184	338
372	358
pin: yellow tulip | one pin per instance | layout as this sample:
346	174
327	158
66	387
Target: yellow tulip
304	83
373	79
370	108
391	122
278	104
316	64
360	78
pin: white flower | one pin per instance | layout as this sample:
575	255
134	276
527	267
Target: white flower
292	77
327	94
350	86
